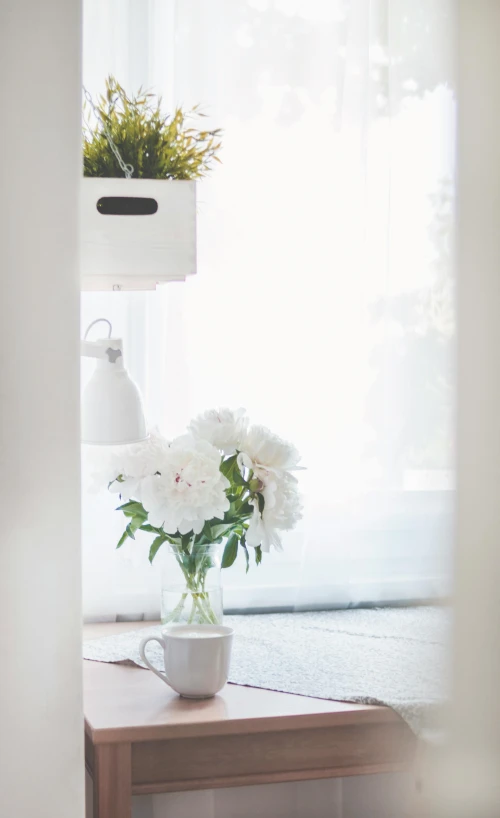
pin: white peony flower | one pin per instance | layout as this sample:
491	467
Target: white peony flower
132	462
189	490
261	448
282	510
223	428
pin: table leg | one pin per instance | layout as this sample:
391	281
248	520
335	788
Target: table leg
112	781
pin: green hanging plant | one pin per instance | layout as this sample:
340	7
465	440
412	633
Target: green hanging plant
158	146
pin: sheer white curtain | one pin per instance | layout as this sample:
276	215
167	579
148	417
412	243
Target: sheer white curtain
324	300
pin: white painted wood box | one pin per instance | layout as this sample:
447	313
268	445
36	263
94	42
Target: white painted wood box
136	233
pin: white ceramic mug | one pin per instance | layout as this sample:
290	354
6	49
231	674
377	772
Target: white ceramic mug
196	657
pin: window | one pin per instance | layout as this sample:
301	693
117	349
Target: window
324	297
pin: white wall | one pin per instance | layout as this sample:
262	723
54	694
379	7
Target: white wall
41	764
470	773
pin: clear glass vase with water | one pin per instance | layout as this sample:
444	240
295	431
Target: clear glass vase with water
191	586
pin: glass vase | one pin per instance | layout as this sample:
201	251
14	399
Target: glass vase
191	586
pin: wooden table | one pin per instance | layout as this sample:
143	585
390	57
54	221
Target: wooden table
141	737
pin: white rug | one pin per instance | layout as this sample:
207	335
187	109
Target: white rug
391	656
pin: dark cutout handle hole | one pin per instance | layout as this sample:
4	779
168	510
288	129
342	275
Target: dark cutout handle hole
126	206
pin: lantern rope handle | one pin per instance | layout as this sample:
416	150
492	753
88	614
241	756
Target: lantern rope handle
97	321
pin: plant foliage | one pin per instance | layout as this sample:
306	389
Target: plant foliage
158	146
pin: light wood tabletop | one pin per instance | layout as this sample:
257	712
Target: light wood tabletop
141	737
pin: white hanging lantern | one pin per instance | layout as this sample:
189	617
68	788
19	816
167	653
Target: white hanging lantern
112	412
136	233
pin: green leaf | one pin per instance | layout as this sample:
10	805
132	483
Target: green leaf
131	505
227	466
238	478
172	540
230	551
133	509
133	526
220	530
258	555
149	529
186	542
155	547
122	539
261	502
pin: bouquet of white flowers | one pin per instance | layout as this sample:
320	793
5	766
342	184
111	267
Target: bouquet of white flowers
222	481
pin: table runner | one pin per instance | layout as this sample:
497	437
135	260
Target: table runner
389	656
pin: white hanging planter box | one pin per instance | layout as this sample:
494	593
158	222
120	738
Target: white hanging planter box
136	233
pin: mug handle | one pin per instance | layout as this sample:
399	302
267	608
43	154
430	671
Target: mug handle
142	652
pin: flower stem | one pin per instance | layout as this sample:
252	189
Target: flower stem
177	610
201	608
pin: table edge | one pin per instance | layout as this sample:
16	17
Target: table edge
358	715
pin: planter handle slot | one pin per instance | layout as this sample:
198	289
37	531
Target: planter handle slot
126	206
